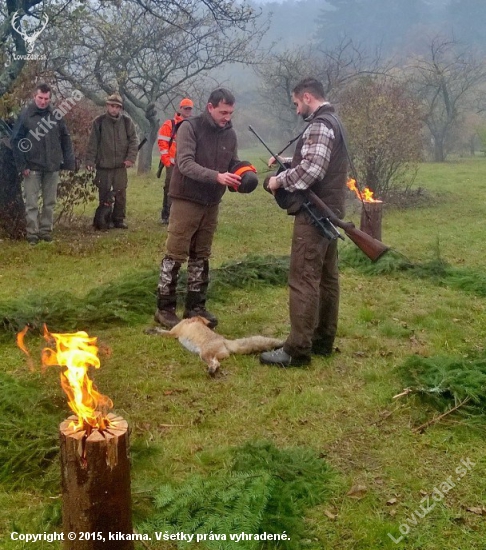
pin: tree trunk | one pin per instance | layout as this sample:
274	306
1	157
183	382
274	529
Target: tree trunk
371	214
439	154
95	475
12	210
146	152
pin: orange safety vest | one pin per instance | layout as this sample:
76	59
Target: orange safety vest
166	140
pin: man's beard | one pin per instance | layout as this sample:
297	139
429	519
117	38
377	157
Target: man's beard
307	113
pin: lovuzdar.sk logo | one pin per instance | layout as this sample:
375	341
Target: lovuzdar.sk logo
29	37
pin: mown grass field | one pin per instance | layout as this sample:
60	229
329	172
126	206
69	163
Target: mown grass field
184	423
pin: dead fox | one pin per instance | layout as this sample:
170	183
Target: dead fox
195	336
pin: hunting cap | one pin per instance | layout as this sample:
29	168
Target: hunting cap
249	178
186	102
114	99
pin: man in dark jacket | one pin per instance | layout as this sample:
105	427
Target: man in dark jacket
41	146
319	163
206	148
112	148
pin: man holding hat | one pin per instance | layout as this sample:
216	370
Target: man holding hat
207	149
167	146
112	148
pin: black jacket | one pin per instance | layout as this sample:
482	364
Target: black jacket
41	141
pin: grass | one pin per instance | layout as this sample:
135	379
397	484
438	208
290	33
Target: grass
185	425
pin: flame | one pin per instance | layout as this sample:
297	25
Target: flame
21	345
76	352
366	195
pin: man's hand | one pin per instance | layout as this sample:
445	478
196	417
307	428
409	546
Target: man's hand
229	179
273	184
272	160
89	167
128	163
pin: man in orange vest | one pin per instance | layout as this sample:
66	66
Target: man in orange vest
167	147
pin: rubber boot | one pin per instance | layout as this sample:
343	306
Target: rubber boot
166	293
197	286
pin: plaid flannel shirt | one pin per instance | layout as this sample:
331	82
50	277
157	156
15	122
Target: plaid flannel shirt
317	145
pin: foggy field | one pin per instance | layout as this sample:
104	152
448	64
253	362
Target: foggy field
350	448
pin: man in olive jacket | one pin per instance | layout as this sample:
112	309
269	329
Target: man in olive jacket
206	148
41	146
112	148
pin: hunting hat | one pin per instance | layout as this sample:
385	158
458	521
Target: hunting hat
114	99
290	201
186	102
249	178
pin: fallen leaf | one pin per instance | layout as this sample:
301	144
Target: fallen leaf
357	491
477	510
391	501
330	515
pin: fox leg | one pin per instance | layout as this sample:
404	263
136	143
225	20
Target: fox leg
213	358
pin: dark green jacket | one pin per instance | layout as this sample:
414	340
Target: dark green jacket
112	141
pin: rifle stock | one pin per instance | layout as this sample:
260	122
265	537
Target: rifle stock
373	248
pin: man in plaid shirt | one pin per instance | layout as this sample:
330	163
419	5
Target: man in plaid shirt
319	163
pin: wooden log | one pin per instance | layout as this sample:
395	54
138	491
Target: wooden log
371	214
95	475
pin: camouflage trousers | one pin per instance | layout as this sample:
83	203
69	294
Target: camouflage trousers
190	236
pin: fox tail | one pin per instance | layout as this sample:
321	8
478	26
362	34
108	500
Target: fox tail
252	344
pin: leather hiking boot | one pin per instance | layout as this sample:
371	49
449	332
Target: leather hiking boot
166	317
280	358
120	225
324	349
201	312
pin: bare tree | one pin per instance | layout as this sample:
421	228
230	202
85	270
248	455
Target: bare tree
334	67
383	124
446	78
21	25
12	45
152	51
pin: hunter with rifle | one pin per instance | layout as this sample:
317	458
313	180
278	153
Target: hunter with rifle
318	170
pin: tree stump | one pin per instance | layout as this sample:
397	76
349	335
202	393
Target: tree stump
371	214
95	474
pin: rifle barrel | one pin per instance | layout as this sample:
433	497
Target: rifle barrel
276	157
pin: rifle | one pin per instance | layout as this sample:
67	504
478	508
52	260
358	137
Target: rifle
328	221
159	169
